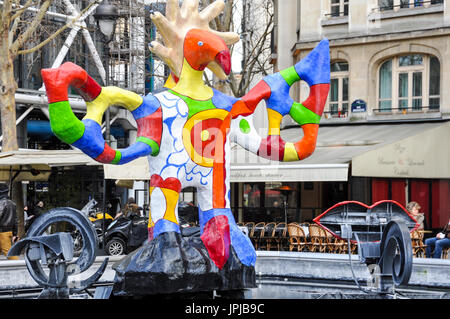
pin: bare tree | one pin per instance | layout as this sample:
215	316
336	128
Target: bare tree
253	20
22	31
20	25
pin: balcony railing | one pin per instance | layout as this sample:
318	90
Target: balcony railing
336	14
335	114
416	4
408	110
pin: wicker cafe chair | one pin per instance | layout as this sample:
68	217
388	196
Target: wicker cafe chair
250	226
280	236
354	247
268	236
297	238
324	246
330	242
344	247
258	233
417	244
445	253
341	246
316	239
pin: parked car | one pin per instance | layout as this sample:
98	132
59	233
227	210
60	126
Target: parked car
125	234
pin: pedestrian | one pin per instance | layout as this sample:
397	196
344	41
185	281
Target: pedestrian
39	209
8	222
414	209
27	217
438	243
34	213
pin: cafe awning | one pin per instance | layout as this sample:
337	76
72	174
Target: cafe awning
290	173
340	147
424	154
137	170
35	165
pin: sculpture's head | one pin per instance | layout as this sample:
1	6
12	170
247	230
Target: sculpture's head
186	25
202	47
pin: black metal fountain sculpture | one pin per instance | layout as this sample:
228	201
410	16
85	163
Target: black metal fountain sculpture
56	252
382	233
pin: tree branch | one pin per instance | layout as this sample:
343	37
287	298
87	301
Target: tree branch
4	17
31	28
252	59
228	15
54	35
21	9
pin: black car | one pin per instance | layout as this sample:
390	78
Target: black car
125	234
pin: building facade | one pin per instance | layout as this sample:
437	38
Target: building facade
388	110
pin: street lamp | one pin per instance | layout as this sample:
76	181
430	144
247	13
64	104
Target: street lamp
106	15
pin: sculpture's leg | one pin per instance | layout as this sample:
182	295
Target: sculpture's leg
220	234
228	248
219	231
163	206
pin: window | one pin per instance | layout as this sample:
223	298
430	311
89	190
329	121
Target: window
339	8
386	4
338	99
385	91
418	3
434	83
410	81
404	3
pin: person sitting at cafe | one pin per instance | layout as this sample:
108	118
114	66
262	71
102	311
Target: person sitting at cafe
414	209
438	243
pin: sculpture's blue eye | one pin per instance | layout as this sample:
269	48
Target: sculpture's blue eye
200	43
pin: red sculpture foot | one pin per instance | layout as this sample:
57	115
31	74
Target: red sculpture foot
216	238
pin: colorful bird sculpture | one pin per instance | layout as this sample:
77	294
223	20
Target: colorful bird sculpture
186	132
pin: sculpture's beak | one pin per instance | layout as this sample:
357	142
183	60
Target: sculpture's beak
223	59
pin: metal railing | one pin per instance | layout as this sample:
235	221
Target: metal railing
417	4
337	14
335	114
406	110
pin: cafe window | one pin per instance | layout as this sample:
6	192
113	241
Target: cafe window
252	195
265	202
338	97
409	82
